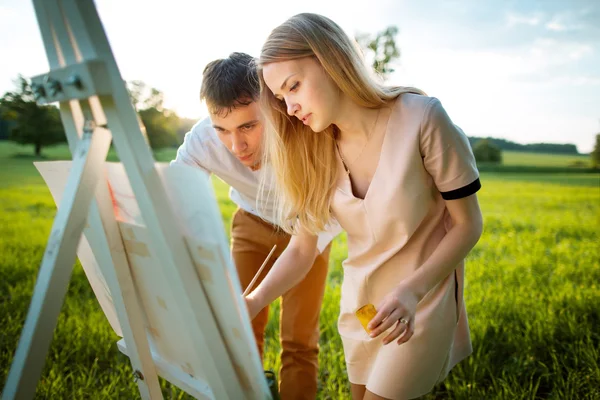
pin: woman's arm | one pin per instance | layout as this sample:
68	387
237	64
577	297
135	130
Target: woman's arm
401	304
290	268
458	242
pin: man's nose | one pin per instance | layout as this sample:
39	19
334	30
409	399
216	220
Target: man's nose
239	143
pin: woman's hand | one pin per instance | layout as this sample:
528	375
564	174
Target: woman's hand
253	306
397	308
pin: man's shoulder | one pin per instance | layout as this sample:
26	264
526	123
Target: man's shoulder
202	138
203	131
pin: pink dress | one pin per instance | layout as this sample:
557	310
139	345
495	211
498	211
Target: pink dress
424	159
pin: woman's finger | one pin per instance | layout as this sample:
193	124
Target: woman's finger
391	319
399	330
382	313
408	333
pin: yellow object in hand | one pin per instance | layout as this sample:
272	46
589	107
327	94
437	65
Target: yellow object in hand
365	314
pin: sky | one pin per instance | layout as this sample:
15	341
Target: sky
526	71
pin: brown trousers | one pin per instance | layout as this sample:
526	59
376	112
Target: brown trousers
252	240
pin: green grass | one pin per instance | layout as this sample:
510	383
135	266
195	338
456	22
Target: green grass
544	160
532	293
591	180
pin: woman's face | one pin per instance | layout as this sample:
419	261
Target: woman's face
309	93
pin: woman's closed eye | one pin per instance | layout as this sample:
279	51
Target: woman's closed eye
293	88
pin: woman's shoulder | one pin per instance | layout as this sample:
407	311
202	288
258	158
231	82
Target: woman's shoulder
415	101
413	108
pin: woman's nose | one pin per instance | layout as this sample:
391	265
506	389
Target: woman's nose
292	108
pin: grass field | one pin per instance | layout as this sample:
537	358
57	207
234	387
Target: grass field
544	160
533	294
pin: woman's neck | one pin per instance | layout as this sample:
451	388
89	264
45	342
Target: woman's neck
355	122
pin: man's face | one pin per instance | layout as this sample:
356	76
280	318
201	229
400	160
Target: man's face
241	132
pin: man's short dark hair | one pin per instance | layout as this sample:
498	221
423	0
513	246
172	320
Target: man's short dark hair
229	83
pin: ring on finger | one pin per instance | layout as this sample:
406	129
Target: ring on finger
404	321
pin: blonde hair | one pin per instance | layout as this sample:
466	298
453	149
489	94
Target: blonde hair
304	162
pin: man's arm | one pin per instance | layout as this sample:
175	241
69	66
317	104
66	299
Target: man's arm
289	270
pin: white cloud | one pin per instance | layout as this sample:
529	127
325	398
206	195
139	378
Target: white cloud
513	19
567	21
580	51
554	25
551	52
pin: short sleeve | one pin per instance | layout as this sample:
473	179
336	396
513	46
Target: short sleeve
191	152
447	154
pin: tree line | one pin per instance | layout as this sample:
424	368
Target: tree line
548	148
25	122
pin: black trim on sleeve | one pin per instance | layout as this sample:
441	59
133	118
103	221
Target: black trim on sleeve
462	192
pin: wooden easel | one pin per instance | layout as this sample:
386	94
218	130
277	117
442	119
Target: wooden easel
95	108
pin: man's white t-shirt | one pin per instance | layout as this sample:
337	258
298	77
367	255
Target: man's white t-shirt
202	148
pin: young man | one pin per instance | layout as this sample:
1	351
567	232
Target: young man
228	144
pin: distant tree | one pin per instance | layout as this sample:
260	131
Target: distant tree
552	148
161	124
596	153
33	124
185	125
546	148
381	49
143	96
485	151
161	127
5	126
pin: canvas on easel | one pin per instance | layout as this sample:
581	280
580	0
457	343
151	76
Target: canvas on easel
153	245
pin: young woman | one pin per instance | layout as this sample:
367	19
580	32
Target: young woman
390	166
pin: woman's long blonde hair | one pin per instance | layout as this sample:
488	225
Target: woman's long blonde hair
304	162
